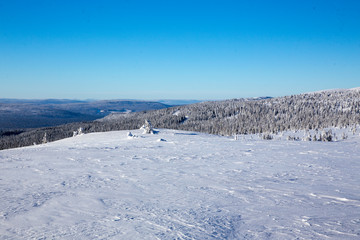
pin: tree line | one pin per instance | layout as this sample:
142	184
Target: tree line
309	111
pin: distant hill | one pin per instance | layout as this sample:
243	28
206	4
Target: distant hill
178	102
331	108
310	111
20	113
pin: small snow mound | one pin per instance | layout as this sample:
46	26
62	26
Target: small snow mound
130	135
176	113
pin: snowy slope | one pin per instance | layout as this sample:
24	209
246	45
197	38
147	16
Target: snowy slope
191	186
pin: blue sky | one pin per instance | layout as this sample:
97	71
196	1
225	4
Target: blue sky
177	49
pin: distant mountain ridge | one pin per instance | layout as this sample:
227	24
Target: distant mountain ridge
23	113
175	102
41	101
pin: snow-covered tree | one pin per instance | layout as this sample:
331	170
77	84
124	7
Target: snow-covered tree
344	136
44	139
78	132
307	137
327	136
148	129
267	136
314	138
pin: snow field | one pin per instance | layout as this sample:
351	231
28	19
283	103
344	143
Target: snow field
185	186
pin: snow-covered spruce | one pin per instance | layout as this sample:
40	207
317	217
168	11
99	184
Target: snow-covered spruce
78	132
147	127
44	139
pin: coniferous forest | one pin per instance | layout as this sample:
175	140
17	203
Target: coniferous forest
310	111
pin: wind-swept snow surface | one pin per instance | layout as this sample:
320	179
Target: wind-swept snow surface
187	186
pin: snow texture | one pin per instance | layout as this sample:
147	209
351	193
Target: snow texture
191	186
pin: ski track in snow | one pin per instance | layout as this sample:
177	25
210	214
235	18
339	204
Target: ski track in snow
191	186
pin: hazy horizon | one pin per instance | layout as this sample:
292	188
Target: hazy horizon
165	99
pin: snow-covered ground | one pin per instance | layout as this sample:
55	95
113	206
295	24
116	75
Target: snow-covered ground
187	186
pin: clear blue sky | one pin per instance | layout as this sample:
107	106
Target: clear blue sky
177	49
